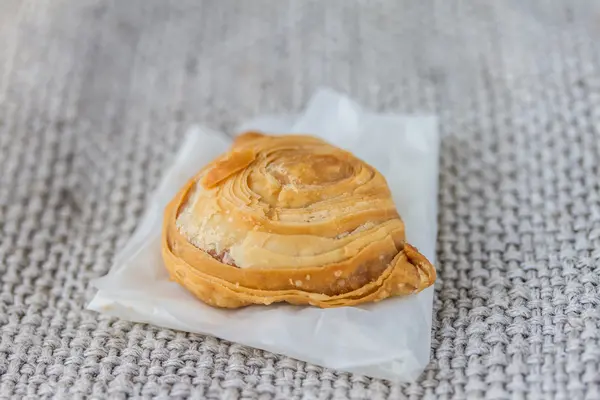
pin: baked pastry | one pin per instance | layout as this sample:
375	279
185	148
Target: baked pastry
289	219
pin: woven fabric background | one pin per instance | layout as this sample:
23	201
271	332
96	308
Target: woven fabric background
95	96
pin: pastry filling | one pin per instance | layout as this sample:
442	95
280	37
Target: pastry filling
222	257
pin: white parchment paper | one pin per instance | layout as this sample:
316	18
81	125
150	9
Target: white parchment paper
389	340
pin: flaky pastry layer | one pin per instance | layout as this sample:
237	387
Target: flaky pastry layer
289	219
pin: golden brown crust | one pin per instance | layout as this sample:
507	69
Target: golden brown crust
289	218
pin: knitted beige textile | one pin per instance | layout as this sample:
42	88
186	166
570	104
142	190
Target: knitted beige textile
95	95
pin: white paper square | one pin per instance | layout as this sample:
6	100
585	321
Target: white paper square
389	340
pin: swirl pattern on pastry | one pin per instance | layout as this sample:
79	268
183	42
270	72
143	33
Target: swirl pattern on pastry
289	219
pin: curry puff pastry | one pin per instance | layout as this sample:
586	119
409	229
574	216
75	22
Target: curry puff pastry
289	219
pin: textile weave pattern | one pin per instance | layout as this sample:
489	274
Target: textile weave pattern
95	96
